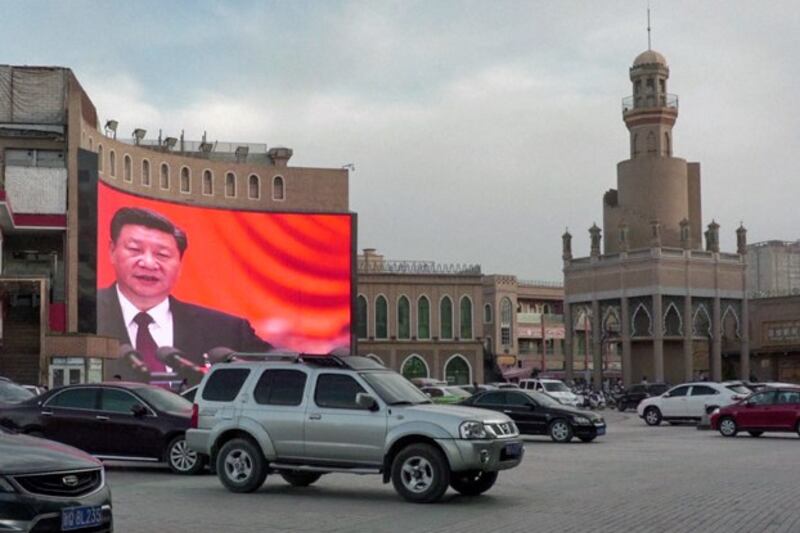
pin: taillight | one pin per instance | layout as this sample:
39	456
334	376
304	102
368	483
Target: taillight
195	416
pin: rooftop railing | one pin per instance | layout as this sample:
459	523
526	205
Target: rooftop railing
649	101
416	267
540	283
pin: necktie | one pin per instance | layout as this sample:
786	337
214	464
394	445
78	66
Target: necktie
145	344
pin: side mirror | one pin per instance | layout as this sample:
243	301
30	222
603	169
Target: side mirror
366	401
138	410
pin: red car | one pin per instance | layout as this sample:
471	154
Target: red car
775	409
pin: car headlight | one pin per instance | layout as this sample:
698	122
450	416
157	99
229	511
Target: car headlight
6	486
581	420
715	411
472	429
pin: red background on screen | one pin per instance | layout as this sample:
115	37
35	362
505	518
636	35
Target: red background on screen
288	274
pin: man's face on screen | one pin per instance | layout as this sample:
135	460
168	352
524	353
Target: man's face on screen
147	263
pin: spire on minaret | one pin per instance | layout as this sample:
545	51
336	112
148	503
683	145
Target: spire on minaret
648	26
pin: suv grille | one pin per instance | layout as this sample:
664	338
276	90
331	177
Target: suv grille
62	484
502	429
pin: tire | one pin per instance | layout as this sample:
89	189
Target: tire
652	416
472	483
727	427
241	466
587	439
300	479
756	434
420	473
560	431
181	459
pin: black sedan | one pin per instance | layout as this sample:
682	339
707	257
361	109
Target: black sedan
47	486
113	421
536	413
636	393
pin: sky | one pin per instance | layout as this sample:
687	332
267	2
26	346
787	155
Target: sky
479	130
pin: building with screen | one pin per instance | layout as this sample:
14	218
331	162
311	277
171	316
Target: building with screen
52	149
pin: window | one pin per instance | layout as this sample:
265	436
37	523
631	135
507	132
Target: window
280	387
164	176
433	392
337	391
505	322
518	399
487	313
381	318
224	384
253	187
466	318
457	371
100	157
75	399
423	318
278	192
764	398
703	390
446	318
112	163
403	318
361	317
787	397
35	158
208	183
186	180
230	185
662	85
492	398
118	401
127	172
91	143
679	391
145	172
414	367
651	84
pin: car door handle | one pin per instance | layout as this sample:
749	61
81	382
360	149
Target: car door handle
101	417
315	417
47	413
507	411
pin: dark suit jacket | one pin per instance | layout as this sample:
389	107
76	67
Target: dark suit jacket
195	329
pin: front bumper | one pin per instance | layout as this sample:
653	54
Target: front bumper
488	455
21	512
589	430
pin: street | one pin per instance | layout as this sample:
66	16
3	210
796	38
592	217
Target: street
637	478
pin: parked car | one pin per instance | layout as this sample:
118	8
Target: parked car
472	389
47	486
769	410
631	397
553	387
36	390
189	394
537	413
122	421
427	382
11	393
689	402
446	394
504	385
315	415
763	385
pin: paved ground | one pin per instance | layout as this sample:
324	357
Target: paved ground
636	479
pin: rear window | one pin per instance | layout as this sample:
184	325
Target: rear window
224	384
739	389
280	387
75	399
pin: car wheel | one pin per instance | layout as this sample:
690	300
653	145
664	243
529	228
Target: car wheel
241	466
181	459
587	439
300	479
727	427
756	433
473	483
560	431
420	473
652	416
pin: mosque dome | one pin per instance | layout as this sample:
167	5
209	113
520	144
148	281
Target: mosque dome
649	57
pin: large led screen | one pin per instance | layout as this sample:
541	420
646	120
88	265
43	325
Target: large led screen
179	284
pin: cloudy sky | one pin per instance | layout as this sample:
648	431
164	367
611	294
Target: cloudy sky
479	130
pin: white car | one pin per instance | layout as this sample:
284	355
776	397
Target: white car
552	387
690	401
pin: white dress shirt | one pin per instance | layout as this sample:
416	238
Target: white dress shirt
160	328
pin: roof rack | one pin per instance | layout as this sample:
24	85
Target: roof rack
314	359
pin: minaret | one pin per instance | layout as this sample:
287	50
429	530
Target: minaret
651	111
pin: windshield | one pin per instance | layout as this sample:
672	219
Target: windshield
13	393
163	400
739	389
543	399
457	391
555	386
394	389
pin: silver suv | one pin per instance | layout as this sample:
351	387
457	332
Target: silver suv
305	416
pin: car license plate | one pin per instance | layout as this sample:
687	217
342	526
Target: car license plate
512	450
80	517
601	431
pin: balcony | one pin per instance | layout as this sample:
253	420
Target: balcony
649	101
536	318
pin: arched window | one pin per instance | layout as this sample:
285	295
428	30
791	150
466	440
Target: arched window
361	317
186	180
506	322
230	185
701	323
127	173
466	318
100	157
145	172
112	163
651	143
91	142
642	326
672	321
403	318
457	371
164	176
729	326
667	147
446	318
381	318
277	188
423	318
253	187
208	183
487	313
546	309
414	367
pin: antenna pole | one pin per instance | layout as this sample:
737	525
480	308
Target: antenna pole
648	25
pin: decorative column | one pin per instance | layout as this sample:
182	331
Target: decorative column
744	324
688	344
686	235
712	237
627	371
597	356
716	341
658	339
655	233
569	359
594	235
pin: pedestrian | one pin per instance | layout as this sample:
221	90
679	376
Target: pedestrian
644	380
183	386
